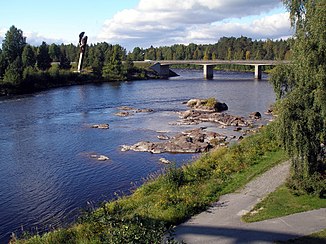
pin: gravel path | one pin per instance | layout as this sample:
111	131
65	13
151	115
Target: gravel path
222	224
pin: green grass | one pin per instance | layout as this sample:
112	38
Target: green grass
170	199
283	202
315	238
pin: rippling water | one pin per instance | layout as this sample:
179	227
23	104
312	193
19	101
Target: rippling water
46	174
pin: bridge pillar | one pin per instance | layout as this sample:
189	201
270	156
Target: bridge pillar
258	71
208	71
165	70
161	70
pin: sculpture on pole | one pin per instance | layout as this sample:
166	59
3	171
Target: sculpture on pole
82	45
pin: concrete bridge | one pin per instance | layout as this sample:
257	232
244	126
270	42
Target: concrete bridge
162	67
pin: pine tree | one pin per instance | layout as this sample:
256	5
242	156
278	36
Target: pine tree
28	56
13	44
43	57
14	72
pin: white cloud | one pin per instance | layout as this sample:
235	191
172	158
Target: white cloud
36	39
274	27
33	38
166	22
2	34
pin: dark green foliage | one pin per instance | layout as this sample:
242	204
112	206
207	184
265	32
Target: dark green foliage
28	56
283	80
174	176
14	72
43	58
113	226
226	48
113	68
3	64
302	116
13	44
137	54
54	52
64	61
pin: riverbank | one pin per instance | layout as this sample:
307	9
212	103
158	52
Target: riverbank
169	199
40	81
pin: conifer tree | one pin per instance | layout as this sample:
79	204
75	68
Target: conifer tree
43	57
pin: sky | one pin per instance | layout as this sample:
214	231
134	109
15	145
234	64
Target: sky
142	23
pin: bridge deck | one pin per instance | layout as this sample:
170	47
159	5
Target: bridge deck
162	66
216	62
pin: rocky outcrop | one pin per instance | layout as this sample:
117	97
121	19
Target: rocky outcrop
209	110
123	114
192	141
208	105
128	111
195	116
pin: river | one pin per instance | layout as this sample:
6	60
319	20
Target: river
46	172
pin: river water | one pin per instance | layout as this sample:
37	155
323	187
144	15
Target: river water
46	172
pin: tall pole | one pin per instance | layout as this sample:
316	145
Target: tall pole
82	45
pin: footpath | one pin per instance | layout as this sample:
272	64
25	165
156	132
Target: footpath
222	222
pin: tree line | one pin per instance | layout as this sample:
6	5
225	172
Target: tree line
227	48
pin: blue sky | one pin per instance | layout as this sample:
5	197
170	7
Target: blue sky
144	22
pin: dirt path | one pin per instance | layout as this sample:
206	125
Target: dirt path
221	223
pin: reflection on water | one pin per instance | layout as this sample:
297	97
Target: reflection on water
46	175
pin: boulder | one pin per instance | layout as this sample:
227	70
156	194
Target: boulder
102	158
255	115
164	161
208	105
163	137
144	110
219	107
101	126
123	114
99	157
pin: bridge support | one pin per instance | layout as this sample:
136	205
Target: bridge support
208	71
161	70
258	71
165	70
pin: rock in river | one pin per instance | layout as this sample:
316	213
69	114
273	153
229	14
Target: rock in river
101	126
192	141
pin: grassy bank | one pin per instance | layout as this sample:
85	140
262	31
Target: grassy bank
171	198
283	202
35	81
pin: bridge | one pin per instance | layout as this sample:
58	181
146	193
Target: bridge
162	67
